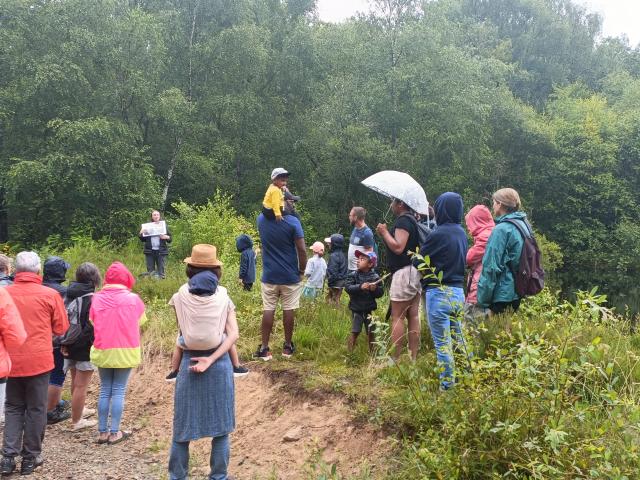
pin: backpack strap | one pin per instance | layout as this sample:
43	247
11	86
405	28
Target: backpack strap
516	224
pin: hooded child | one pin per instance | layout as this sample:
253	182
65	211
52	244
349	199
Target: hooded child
480	225
336	269
247	273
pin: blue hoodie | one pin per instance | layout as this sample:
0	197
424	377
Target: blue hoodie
247	272
446	246
203	284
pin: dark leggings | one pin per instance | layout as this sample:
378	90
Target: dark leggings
501	307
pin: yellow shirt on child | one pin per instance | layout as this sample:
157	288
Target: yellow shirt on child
274	199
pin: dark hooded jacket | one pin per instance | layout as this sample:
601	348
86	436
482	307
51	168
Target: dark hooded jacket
362	300
337	265
247	272
80	350
55	271
446	246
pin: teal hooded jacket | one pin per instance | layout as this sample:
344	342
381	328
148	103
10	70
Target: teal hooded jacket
501	259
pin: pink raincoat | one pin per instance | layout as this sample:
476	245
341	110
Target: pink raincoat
480	224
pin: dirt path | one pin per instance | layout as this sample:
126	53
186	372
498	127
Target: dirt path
278	436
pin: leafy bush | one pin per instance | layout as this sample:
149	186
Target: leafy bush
216	223
553	395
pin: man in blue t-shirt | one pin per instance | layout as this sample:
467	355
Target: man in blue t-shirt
284	259
361	238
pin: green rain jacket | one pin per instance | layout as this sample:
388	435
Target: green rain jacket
501	259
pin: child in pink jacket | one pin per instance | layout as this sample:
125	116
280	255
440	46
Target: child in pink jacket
480	224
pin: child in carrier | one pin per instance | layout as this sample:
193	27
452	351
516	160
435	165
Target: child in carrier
203	284
480	225
363	287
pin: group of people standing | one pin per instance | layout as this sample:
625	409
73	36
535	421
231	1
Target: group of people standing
106	318
48	330
486	271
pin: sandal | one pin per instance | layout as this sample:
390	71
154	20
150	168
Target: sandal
102	441
124	436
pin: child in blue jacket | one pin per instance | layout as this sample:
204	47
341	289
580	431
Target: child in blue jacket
247	273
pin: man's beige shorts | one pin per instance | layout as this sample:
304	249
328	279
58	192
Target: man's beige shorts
289	296
405	284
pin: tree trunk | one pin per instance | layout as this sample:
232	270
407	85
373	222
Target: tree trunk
172	167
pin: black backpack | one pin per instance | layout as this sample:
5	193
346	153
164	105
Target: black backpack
76	328
530	275
422	229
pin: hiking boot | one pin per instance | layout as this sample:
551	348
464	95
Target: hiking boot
30	464
171	378
263	353
57	415
64	405
240	371
7	465
288	350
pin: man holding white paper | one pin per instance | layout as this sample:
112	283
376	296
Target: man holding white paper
156	238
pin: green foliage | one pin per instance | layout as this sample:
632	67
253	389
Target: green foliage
552	395
108	111
216	223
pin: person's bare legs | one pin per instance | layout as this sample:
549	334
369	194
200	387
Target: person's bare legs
267	326
351	342
372	339
176	358
79	383
54	395
398	313
233	355
413	321
288	317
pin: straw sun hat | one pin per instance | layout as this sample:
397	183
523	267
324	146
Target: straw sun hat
203	255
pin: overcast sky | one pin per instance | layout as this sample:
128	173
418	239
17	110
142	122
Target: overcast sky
621	17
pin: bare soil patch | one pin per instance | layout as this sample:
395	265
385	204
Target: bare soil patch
281	433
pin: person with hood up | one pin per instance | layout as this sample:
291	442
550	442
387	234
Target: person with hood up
55	273
336	268
116	314
496	285
446	247
480	225
247	272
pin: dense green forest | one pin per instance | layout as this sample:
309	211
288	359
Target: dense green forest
111	107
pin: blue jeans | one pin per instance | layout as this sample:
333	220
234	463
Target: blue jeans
219	460
113	385
444	310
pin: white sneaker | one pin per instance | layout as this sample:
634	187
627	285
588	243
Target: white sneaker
87	412
84	423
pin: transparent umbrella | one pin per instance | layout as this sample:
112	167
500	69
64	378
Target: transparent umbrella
399	185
